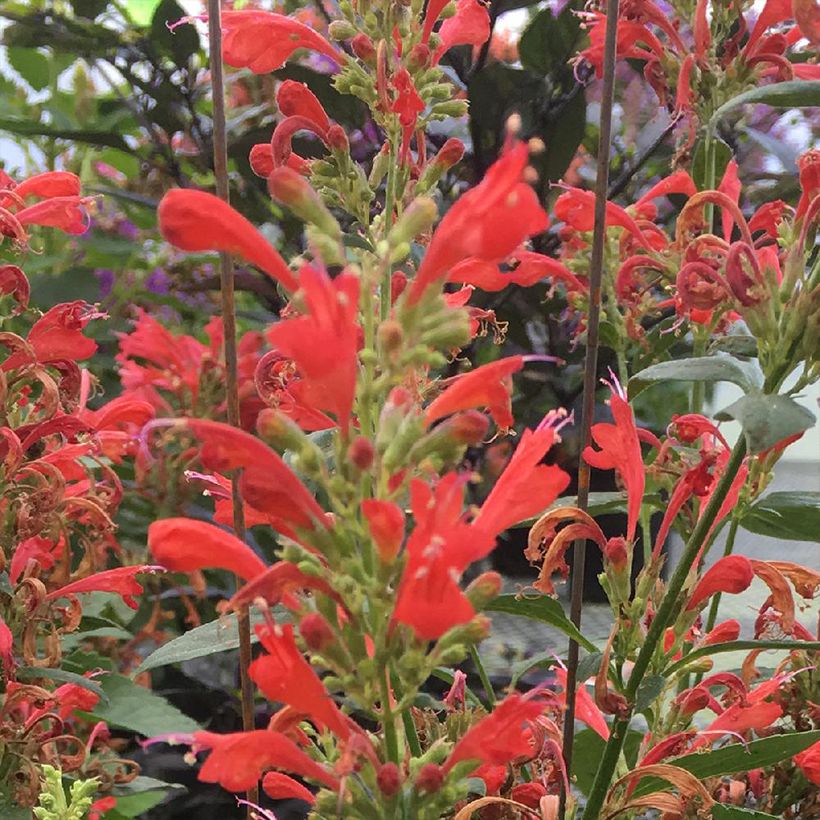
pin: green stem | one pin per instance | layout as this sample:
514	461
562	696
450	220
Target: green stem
391	740
482	674
663	617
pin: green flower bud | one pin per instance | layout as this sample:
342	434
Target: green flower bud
341	30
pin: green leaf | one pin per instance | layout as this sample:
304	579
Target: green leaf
737	757
62	676
142	783
723	812
792	94
588	666
587	749
549	40
32	65
217	636
544	609
719	368
794	516
649	691
723	153
562	136
140	710
735	345
767	420
135	805
183	42
27	128
141	11
543	660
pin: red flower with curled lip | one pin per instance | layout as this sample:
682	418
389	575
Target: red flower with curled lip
385	521
469	26
238	760
188	545
526	487
440	548
732	573
45	186
120	580
279	786
197	221
264	41
68	213
295	99
328	364
276	583
489	222
808	762
283	675
500	738
621	451
486	386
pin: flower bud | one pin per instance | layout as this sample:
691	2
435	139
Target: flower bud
418	217
341	30
381	162
430	778
390	336
261	159
528	794
388	778
451	108
485	588
279	430
337	139
362	46
450	153
385	521
451	330
398	282
468	427
361	453
419	57
292	189
316	632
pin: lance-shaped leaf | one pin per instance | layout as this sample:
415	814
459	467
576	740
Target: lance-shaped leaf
790	515
767	420
719	368
791	94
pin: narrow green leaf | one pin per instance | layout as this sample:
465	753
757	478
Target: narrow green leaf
32	65
740	646
767	420
543	660
791	94
209	639
544	609
62	676
28	128
587	750
140	710
723	153
737	757
790	515
718	368
649	691
589	665
736	345
723	812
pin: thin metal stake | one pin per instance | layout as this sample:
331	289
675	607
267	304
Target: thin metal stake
226	276
591	364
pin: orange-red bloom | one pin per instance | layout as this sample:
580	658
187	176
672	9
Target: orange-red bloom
276	583
385	521
324	342
487	386
500	738
187	545
279	786
809	763
732	573
121	580
283	675
488	222
440	548
238	760
197	221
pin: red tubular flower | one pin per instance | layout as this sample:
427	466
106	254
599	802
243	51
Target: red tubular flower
585	708
187	545
808	165
781	597
68	213
120	580
808	762
439	549
283	675
408	105
276	583
678	183
431	15
739	719
264	41
6	650
722	633
196	221
279	786
732	573
329	362
487	386
621	451
526	487
267	483
237	760
577	208
532	268
488	222
773	12
48	185
469	26
297	100
499	738
385	521
14	283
